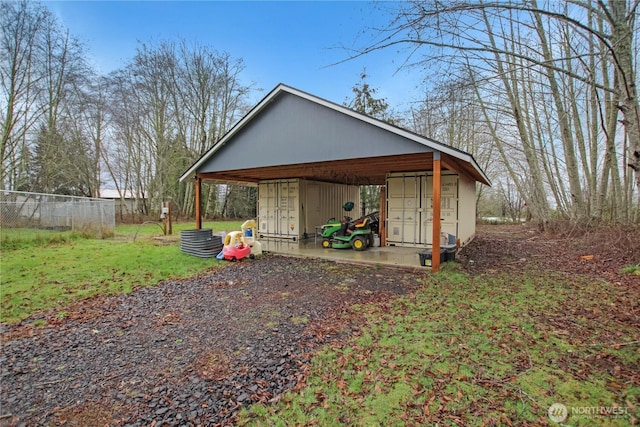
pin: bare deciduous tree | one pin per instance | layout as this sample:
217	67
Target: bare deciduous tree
566	70
21	24
170	105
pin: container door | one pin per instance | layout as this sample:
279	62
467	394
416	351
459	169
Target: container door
294	209
267	208
288	213
448	206
403	209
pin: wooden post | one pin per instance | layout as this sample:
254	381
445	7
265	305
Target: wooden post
198	213
435	246
170	220
382	226
164	218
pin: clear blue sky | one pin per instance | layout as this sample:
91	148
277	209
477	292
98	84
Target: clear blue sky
291	42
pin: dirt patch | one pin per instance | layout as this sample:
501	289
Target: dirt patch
187	352
598	254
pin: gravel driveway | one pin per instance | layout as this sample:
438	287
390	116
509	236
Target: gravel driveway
188	352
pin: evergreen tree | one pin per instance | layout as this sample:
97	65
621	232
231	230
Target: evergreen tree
365	102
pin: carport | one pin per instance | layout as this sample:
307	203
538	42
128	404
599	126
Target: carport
313	153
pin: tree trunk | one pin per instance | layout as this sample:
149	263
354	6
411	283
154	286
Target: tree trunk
622	42
568	142
537	198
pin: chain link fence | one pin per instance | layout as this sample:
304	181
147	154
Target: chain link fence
20	209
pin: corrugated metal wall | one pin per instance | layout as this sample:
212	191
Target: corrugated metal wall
325	200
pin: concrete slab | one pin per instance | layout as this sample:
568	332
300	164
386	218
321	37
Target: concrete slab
392	256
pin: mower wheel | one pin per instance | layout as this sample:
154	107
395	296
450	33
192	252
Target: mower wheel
359	243
326	243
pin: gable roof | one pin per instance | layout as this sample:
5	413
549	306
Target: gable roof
293	134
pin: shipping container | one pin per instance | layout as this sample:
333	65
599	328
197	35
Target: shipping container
404	210
296	208
449	202
410	207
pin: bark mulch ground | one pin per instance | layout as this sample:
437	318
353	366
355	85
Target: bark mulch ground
188	352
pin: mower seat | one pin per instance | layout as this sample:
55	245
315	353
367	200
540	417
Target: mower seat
363	223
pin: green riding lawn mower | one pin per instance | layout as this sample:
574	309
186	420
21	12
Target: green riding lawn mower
355	234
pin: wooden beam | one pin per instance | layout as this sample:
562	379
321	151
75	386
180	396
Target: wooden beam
435	246
382	226
230	178
446	162
198	192
363	171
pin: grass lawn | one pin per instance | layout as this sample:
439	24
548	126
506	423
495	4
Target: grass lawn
496	349
42	269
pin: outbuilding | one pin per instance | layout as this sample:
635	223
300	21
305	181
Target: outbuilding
308	156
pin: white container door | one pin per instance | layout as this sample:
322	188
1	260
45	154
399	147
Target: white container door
288	212
267	208
403	209
448	206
